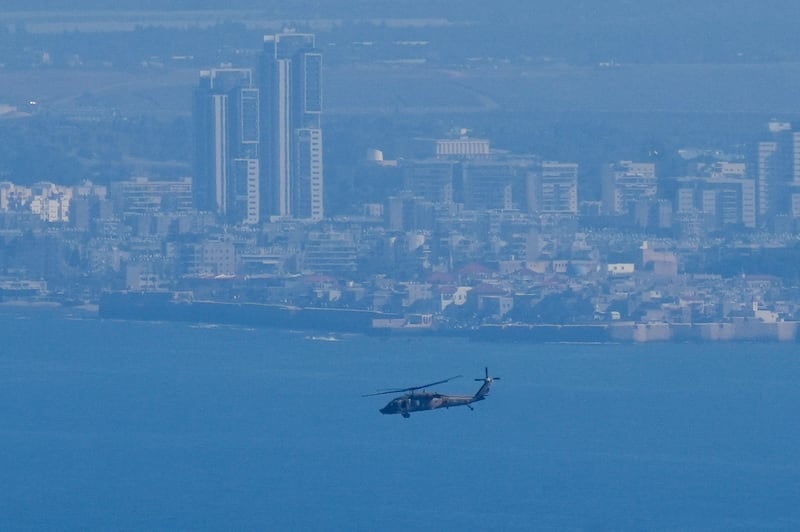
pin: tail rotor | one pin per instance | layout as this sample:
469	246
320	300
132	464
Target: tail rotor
487	384
487	378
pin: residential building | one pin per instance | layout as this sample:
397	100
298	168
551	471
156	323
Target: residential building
407	212
495	184
777	169
625	184
330	252
430	179
553	188
140	195
722	201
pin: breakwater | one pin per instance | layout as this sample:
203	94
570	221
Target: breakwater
162	306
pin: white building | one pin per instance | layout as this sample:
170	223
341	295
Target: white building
48	201
462	147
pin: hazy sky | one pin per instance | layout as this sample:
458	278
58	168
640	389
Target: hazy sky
701	20
746	11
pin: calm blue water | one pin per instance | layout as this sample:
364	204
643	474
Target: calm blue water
125	425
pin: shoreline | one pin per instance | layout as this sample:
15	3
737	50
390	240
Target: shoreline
338	321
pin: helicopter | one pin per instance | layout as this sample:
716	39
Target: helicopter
418	400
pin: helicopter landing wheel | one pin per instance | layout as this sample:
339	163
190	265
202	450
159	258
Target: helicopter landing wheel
406	415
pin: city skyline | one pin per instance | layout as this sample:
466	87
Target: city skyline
443	200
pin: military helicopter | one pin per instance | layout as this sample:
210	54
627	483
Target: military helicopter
417	399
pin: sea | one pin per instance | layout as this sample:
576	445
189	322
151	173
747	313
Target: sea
125	425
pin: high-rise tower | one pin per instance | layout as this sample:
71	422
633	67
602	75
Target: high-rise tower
227	137
290	83
776	171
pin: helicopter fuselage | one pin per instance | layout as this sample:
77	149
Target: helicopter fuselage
420	401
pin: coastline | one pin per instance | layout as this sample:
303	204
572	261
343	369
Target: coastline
161	307
86	308
633	332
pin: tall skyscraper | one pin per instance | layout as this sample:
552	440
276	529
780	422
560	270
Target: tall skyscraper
290	79
227	136
258	140
776	171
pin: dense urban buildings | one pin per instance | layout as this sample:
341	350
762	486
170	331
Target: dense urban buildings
450	228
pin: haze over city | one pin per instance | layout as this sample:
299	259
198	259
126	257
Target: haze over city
450	154
324	195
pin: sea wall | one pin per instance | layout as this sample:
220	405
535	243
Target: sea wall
161	306
522	332
739	331
736	331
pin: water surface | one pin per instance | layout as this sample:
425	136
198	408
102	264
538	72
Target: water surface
128	425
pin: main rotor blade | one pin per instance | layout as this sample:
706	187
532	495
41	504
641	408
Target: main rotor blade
411	388
384	393
435	383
